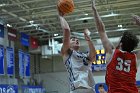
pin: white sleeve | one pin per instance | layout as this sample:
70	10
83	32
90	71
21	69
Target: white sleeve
137	57
138	63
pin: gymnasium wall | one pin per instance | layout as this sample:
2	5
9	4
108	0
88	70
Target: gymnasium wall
5	42
5	79
52	64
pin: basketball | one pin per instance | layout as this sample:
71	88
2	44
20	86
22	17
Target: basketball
66	6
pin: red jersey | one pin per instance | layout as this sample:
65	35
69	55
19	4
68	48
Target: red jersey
121	73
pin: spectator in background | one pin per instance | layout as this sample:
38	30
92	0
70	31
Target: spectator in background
101	89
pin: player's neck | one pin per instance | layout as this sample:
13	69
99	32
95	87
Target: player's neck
75	49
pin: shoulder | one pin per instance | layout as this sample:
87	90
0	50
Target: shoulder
67	53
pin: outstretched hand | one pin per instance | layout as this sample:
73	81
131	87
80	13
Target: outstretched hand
59	12
136	19
87	38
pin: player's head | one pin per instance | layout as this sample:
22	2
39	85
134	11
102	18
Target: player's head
74	43
128	41
101	88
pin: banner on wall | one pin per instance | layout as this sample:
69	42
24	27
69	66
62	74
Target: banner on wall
10	60
34	42
24	39
12	34
1	60
138	83
1	30
27	64
21	63
33	89
8	88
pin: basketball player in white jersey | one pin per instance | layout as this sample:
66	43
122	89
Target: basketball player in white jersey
78	64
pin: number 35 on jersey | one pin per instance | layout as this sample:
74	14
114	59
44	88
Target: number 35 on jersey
123	65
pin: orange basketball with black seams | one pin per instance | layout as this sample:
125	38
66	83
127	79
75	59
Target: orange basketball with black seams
66	6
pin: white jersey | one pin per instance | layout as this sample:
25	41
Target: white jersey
80	73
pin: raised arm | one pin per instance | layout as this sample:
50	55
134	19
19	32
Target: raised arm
92	51
137	52
136	19
66	35
101	29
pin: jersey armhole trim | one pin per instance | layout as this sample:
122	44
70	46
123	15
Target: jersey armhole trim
69	56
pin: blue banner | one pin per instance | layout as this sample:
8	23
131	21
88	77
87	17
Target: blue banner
27	64
2	31
24	39
21	63
8	89
138	83
1	60
33	89
10	61
98	67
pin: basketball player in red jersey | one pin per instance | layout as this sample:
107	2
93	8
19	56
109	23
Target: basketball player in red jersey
122	61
